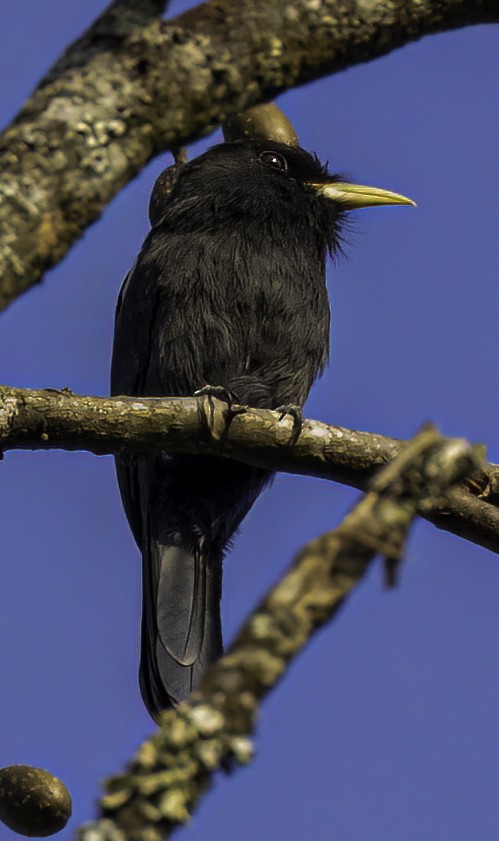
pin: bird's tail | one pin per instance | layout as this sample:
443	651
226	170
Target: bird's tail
181	626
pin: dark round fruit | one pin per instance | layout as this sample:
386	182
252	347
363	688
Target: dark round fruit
32	801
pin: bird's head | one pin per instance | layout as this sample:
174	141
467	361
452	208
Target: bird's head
263	184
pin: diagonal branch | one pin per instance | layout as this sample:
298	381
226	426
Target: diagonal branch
122	16
171	771
131	88
52	419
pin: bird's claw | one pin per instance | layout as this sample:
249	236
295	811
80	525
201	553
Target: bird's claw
296	413
229	397
222	393
218	391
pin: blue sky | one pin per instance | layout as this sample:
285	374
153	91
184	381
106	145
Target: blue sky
385	727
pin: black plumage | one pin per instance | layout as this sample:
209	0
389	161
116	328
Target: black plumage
228	289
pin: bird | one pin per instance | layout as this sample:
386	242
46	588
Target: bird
228	292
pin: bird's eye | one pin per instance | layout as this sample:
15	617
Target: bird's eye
275	160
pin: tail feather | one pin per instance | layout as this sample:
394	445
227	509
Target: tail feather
181	627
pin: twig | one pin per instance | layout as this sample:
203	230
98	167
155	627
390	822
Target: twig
52	419
171	771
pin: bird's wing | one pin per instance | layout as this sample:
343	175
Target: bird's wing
133	324
134	320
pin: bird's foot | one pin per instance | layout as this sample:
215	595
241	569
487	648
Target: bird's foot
222	393
229	397
297	415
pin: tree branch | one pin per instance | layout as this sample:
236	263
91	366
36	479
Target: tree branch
50	419
164	782
126	91
122	16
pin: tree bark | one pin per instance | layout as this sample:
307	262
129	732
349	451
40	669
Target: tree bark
51	419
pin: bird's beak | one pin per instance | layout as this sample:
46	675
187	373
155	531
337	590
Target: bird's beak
353	196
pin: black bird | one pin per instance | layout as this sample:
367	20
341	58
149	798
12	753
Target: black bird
229	289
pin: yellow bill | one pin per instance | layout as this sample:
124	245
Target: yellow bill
354	196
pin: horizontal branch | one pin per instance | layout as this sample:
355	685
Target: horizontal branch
51	419
131	88
171	771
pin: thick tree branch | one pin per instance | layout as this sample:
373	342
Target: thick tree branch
171	771
126	91
52	419
122	16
